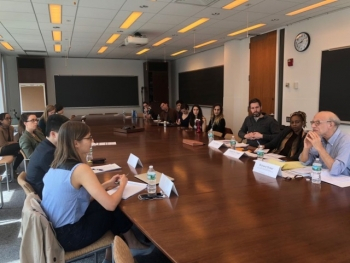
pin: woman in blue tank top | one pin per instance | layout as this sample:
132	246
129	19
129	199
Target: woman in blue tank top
78	206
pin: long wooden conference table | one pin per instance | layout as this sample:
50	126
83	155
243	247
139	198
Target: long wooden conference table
224	212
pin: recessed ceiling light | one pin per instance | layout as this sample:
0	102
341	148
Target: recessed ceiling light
193	25
206	43
161	41
7	46
55	13
130	20
307	8
142	51
234	4
102	49
245	30
178	53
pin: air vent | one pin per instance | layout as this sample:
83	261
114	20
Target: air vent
35	53
197	2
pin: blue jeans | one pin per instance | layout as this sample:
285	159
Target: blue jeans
93	225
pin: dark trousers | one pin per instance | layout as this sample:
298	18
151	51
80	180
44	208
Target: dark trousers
93	225
12	149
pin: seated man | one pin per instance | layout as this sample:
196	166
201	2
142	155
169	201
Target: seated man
258	128
167	114
43	154
328	143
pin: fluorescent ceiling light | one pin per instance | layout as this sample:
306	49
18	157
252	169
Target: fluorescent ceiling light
245	30
7	46
142	51
307	8
161	41
206	43
234	4
57	35
113	38
193	25
57	48
178	53
131	19
55	14
102	49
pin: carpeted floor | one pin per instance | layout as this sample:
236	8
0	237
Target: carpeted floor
10	224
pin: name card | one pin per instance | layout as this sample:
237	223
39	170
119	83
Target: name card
215	144
268	169
167	185
133	161
233	153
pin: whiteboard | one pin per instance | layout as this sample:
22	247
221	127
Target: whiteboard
32	96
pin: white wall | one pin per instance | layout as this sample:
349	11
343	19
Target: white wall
326	32
211	58
82	66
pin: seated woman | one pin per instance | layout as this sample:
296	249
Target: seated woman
196	117
148	113
85	212
31	136
290	141
184	118
217	121
59	109
49	110
8	146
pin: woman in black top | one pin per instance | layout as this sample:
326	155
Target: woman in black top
184	118
196	116
290	141
217	121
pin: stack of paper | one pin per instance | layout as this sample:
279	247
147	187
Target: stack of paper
105	168
131	189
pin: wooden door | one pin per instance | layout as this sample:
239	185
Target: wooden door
263	70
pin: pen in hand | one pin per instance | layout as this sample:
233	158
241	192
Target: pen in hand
117	182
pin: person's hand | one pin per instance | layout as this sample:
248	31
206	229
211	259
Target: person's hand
313	139
178	122
257	135
249	136
204	119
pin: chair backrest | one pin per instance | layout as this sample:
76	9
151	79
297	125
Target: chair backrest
25	160
228	130
216	133
121	252
21	179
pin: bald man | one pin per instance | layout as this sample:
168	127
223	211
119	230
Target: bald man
327	142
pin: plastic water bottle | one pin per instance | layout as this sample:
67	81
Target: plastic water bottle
158	118
260	153
316	171
151	180
210	135
89	156
164	123
233	143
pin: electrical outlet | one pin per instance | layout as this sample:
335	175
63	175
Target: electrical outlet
287	119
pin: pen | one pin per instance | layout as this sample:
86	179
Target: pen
96	169
117	182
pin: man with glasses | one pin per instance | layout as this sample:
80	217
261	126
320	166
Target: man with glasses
43	154
328	143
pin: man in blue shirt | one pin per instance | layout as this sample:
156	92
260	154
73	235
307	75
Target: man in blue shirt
43	155
328	143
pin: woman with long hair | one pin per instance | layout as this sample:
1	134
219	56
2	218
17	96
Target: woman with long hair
217	121
49	110
31	136
196	116
85	212
184	116
8	146
290	141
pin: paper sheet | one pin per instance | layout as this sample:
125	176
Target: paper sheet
103	143
105	168
131	189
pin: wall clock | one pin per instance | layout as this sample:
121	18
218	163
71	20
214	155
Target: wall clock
302	41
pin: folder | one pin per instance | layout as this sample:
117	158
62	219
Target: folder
192	142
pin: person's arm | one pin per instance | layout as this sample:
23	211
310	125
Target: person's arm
25	144
341	164
221	126
276	142
84	176
306	156
274	130
3	141
243	131
204	124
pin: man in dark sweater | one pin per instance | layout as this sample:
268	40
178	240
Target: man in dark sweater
43	155
168	114
258	128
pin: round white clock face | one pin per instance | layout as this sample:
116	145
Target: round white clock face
302	41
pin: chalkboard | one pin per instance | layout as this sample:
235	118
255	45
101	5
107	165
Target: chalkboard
335	83
204	86
96	91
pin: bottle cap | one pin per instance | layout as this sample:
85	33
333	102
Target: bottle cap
151	166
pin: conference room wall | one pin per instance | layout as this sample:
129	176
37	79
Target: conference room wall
201	60
326	32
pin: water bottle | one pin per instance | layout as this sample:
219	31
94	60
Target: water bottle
210	135
316	172
151	180
158	118
233	143
89	156
164	123
260	153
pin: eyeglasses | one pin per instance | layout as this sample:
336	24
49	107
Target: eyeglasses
297	176
88	138
318	122
33	120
